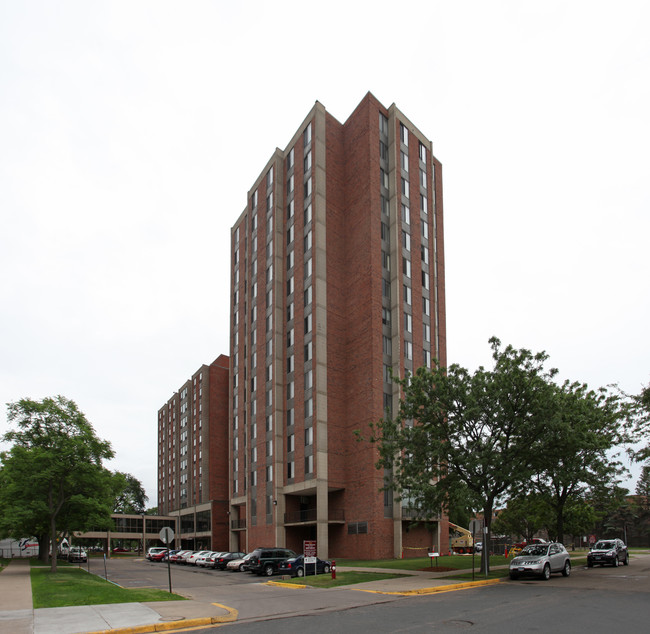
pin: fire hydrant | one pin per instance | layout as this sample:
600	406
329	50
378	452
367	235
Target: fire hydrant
333	569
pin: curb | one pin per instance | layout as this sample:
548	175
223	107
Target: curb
176	625
283	584
437	589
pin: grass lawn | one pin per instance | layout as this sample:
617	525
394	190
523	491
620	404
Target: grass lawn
75	586
4	562
458	562
342	579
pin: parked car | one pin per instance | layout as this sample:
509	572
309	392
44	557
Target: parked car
296	567
160	556
76	553
155	550
184	558
478	547
608	551
206	560
222	559
193	557
174	555
541	560
265	561
239	565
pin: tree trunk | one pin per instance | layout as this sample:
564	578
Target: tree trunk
53	542
43	547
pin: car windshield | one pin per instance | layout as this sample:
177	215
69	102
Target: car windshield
604	545
537	550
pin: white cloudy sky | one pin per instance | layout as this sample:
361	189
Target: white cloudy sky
131	131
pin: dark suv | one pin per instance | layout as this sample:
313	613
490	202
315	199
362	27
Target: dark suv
266	560
608	551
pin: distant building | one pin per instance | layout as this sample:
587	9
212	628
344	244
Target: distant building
337	280
193	457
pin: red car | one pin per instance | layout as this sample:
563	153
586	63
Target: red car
161	556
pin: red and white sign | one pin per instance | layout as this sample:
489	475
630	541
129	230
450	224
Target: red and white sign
309	548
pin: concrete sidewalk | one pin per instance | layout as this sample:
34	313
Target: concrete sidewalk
17	615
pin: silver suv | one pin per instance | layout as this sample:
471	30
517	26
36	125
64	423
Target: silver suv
541	560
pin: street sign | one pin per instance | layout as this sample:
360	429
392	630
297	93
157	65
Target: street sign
166	535
310	560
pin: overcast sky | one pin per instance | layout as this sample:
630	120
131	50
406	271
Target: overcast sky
130	133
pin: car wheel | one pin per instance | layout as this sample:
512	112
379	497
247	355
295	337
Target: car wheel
546	574
626	561
326	569
514	576
566	571
300	572
241	567
615	564
268	570
590	564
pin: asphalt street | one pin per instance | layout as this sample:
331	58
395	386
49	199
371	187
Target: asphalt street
594	600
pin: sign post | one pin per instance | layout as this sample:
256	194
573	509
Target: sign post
309	552
167	536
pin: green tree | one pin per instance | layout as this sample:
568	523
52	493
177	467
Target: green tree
524	515
482	429
583	425
53	478
132	497
643	484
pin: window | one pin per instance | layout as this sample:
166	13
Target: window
269	347
406	266
405	188
307	188
291	470
269	422
404	161
408	350
290	285
383	151
290	363
253	478
406	214
269	274
269	323
254	199
308	295
290	159
423	152
423	179
384	231
385	260
269	473
309	407
424	204
289	417
290	339
269	206
307	241
426	332
424	251
426	358
387	348
383	124
290	234
425	280
407	294
308	268
383	177
290	184
385	206
388	378
385	288
269	398
425	230
307	135
309	464
307	162
309	436
269	178
308	323
290	260
290	208
403	134
385	316
308	380
290	443
290	311
408	322
269	298
253	454
253	222
406	240
269	373
307	215
290	389
308	351
426	306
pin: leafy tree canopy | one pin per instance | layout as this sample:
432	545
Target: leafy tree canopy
53	478
132	498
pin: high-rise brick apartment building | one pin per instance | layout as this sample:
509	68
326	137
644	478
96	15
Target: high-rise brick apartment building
337	278
193	458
